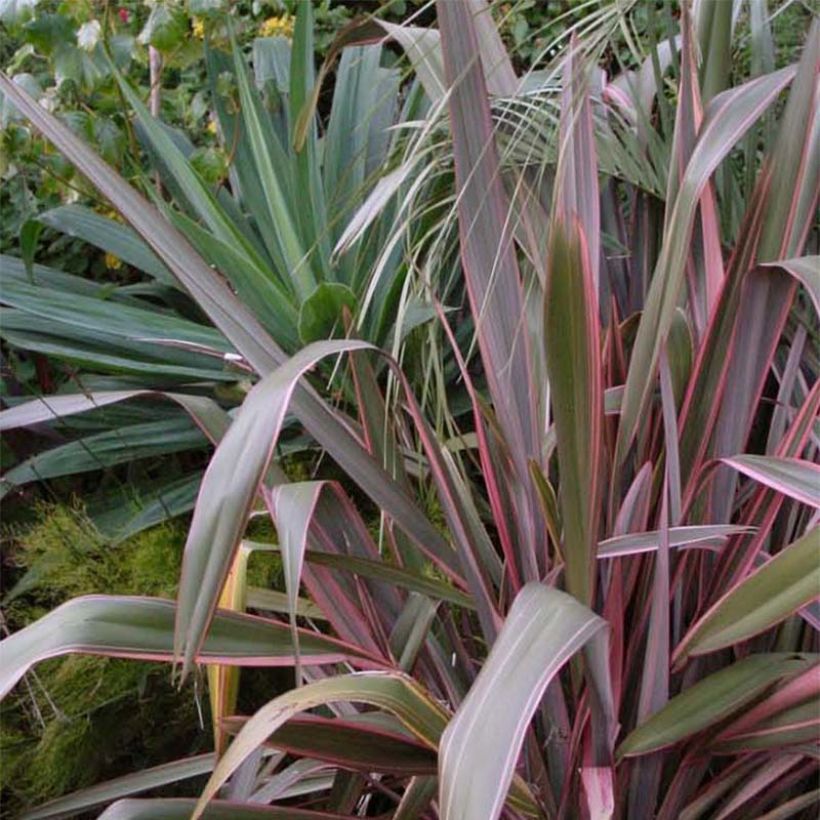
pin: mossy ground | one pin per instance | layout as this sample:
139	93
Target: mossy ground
79	720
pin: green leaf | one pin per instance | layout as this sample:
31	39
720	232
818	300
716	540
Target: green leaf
480	748
101	450
151	778
779	588
29	238
573	366
143	628
391	691
321	314
108	235
166	27
709	701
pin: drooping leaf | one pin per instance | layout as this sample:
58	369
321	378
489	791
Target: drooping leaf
794	477
479	750
142	628
391	691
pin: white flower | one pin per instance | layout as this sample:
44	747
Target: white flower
88	35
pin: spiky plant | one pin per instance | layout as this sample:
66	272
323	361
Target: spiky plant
635	499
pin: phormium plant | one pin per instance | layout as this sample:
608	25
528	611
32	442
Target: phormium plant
617	616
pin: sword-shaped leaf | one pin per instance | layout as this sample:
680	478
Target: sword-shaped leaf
769	595
120	626
480	748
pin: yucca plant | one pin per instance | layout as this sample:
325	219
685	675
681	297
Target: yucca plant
612	612
269	231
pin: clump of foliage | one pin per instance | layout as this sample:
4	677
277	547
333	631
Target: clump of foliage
80	720
622	620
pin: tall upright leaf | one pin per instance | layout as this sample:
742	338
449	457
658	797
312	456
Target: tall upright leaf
572	336
488	257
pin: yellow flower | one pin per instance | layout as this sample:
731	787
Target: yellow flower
278	26
210	128
113	262
199	28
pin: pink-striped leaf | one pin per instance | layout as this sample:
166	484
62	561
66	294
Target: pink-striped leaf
791	185
763	599
774	721
706	536
709	701
142	628
727	119
794	477
391	691
181	809
487	253
806	269
480	748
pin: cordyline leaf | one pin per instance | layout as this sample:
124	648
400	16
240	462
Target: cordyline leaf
293	506
710	701
152	778
392	691
705	535
798	725
786	203
806	270
766	779
728	118
181	808
792	807
230	316
358	745
228	489
391	574
487	254
576	195
705	268
769	595
800	689
480	748
142	628
794	477
573	367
